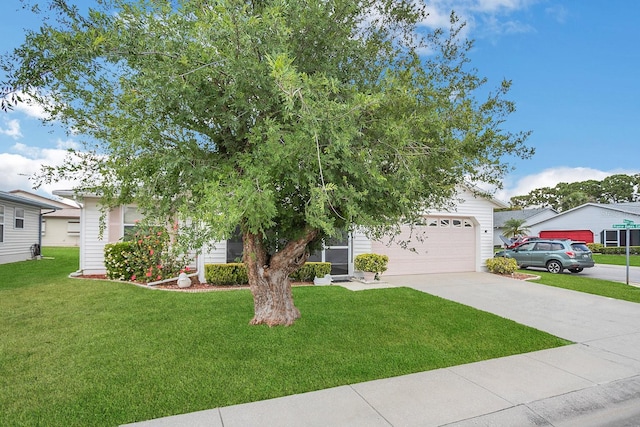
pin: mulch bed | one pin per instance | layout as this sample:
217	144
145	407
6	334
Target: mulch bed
196	286
521	276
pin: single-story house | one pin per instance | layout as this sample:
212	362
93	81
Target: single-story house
528	215
457	240
592	223
60	227
20	227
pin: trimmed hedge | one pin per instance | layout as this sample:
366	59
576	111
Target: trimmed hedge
502	265
235	273
373	263
596	248
310	271
620	250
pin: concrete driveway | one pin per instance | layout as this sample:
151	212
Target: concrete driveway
595	382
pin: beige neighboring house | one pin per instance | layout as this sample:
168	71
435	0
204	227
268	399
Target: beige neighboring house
60	227
457	240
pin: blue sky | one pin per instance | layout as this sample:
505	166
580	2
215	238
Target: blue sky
574	66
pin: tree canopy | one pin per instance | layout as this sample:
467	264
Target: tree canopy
293	119
617	188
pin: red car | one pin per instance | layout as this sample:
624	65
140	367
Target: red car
517	241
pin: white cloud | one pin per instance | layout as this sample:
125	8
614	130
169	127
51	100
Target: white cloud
491	17
501	5
558	12
16	168
553	176
31	108
12	129
67	144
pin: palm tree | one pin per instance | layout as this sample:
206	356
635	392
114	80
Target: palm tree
515	227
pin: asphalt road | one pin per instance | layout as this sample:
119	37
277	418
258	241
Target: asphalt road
614	273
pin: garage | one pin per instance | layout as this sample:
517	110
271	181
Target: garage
579	235
442	245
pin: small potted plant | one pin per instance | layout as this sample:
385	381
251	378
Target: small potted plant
371	265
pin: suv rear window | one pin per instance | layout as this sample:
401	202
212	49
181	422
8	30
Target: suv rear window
580	247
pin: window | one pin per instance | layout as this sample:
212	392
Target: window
73	227
130	218
1	223
19	218
234	246
444	222
543	246
43	227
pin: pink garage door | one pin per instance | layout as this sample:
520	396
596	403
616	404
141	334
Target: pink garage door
581	235
448	245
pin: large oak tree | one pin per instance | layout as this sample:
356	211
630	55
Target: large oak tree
293	119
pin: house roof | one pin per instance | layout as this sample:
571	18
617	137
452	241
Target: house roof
24	201
632	208
64	210
499	218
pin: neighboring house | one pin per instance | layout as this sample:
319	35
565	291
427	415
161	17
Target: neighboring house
451	241
20	227
529	215
60	227
592	223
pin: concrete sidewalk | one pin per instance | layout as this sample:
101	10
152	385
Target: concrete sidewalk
594	382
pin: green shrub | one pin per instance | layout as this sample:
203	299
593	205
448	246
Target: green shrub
118	260
620	250
234	273
596	248
310	271
147	257
373	263
502	265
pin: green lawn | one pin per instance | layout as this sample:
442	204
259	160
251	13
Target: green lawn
634	260
94	353
576	282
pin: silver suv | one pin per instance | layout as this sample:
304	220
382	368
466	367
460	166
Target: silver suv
554	254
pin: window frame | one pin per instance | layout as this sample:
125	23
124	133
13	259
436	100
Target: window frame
17	218
2	210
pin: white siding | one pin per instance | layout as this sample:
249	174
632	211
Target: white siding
586	217
92	246
480	210
216	254
17	242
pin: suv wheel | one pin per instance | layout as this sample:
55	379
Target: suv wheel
576	270
554	267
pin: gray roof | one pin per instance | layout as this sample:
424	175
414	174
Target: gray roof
631	207
499	218
24	201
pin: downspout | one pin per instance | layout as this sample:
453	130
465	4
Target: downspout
40	228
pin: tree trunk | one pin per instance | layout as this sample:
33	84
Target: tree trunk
269	278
